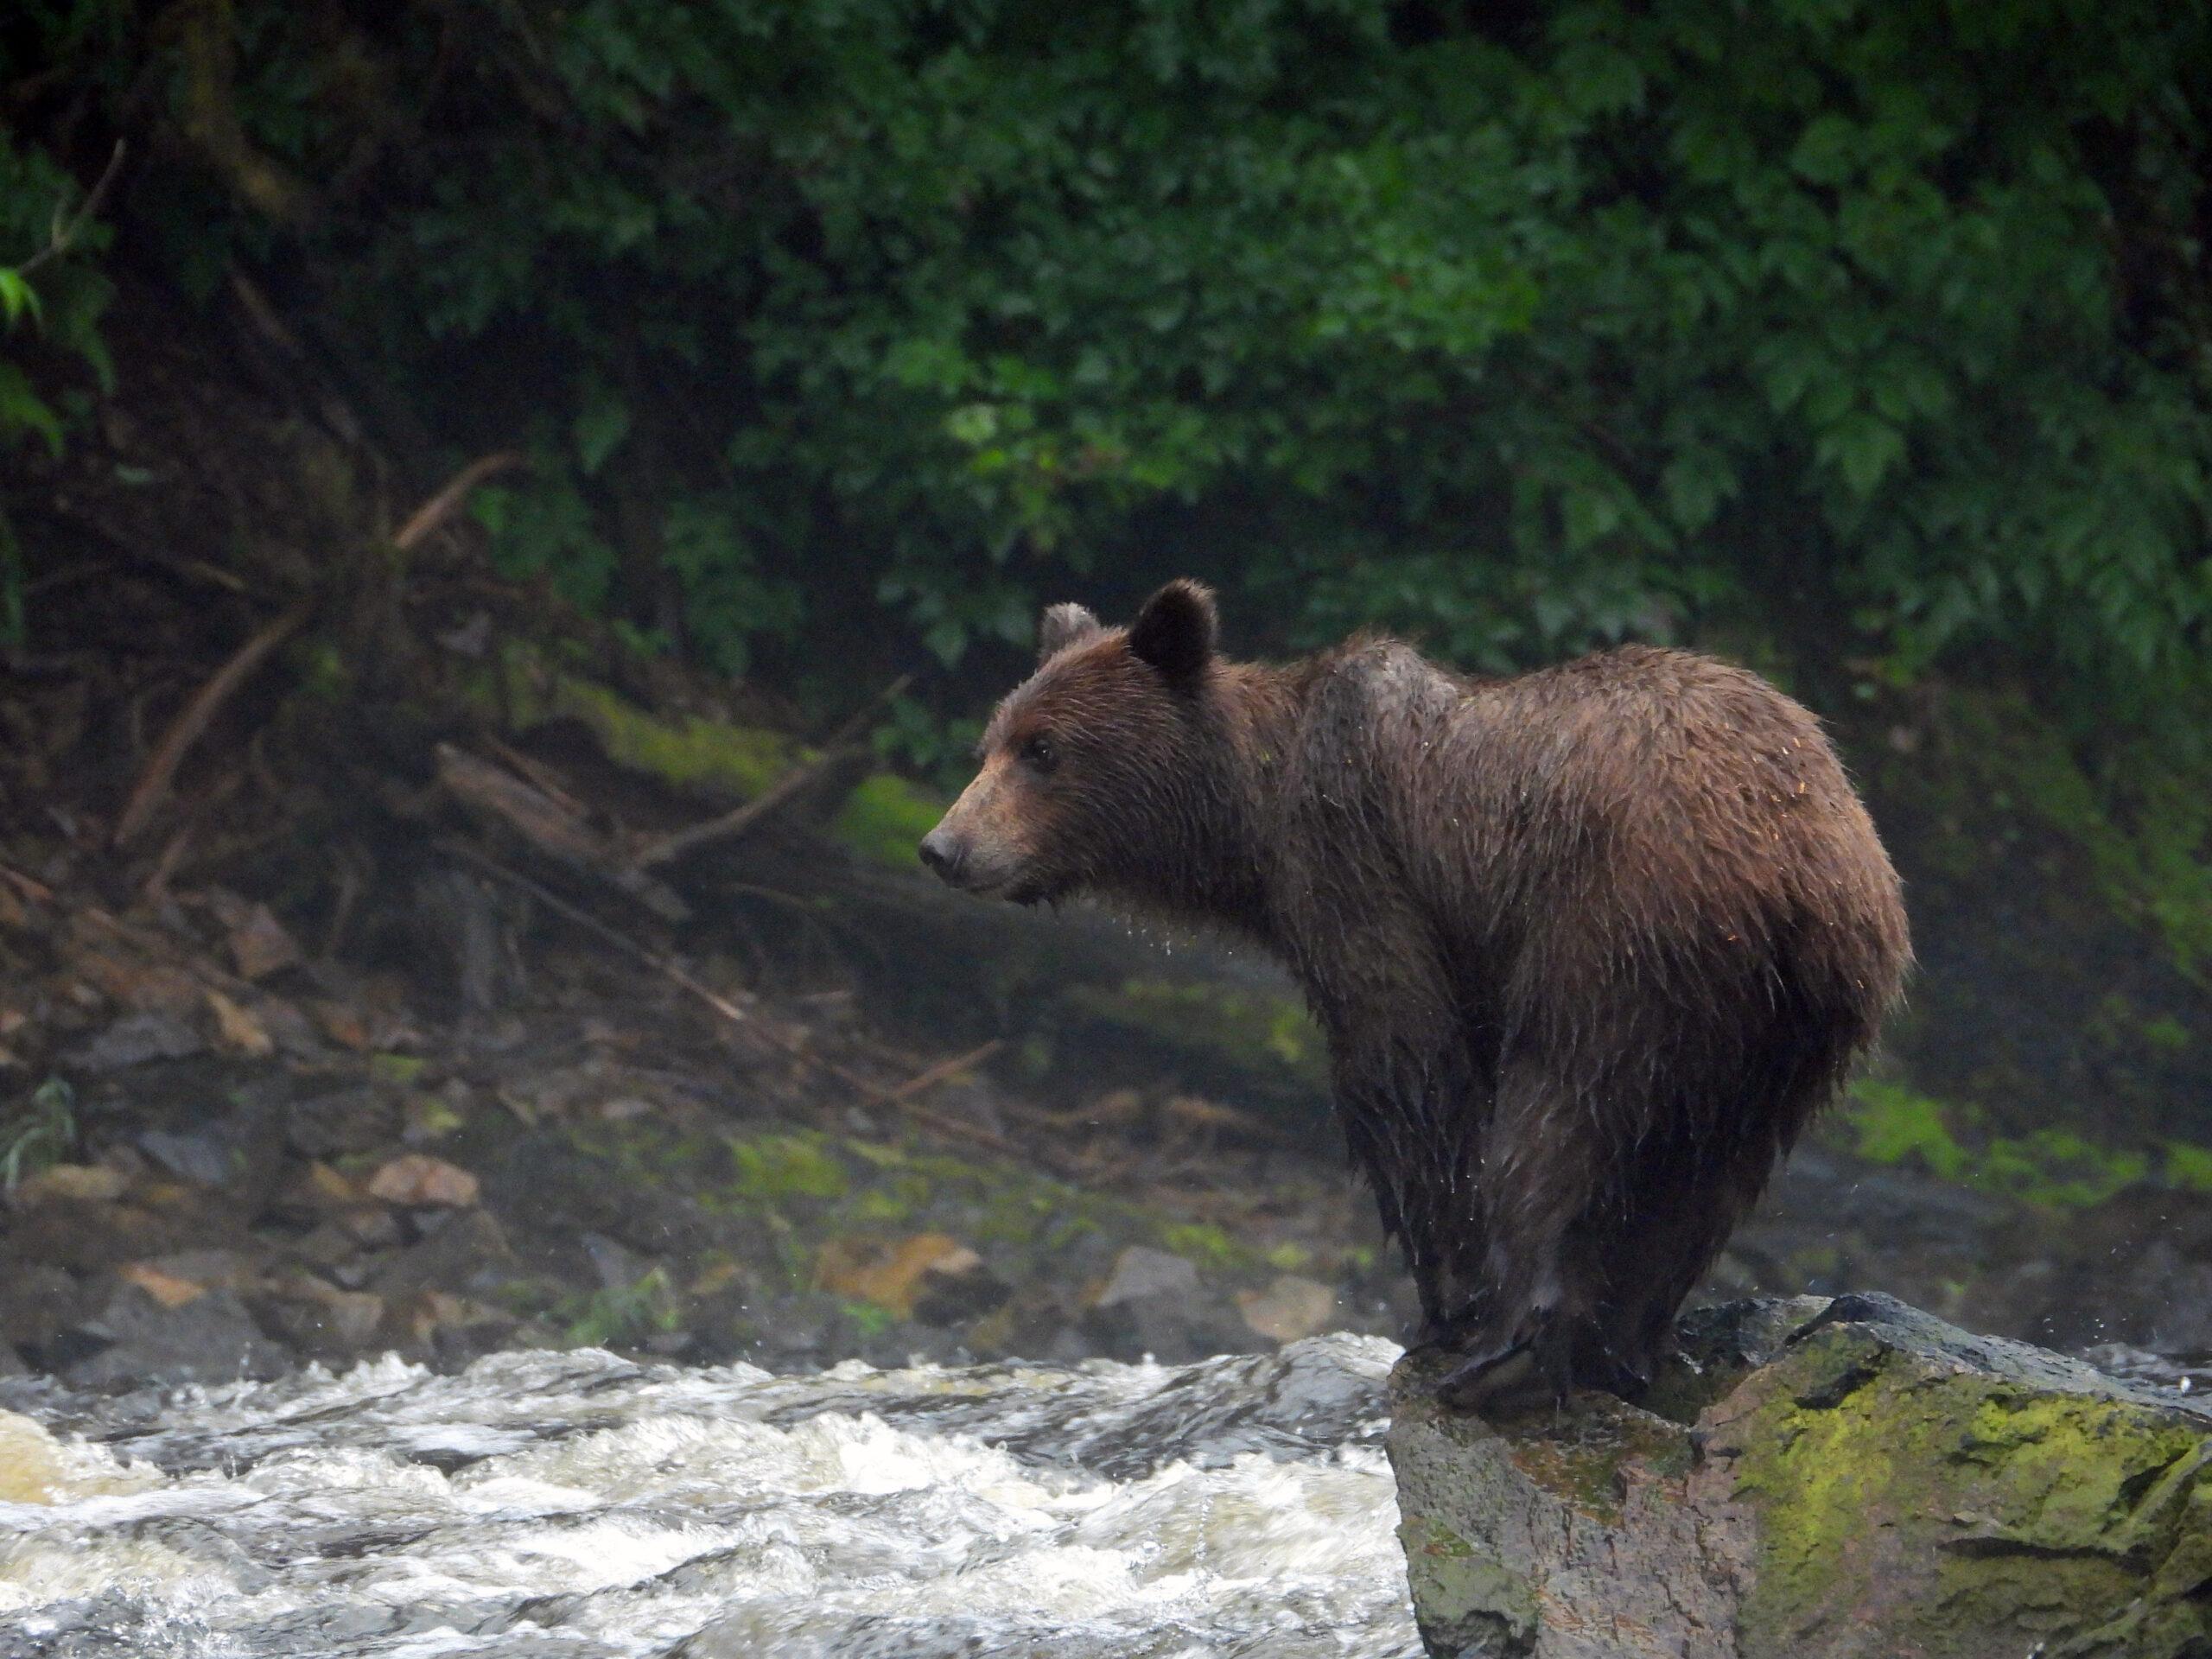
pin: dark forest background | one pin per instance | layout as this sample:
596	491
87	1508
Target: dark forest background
1870	343
839	335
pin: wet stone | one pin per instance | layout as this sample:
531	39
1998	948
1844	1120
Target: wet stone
204	1157
618	1265
138	1040
319	1318
87	1183
1290	1308
86	1237
356	1120
211	1339
211	1269
242	1153
1154	1303
1141	1273
416	1178
954	1296
468	1253
36	1300
369	1227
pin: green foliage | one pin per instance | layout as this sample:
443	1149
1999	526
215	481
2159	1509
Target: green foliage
50	303
884	817
38	1134
2051	1167
772	1168
622	1316
1518	330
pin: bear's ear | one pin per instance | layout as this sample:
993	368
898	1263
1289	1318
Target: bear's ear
1175	632
1061	626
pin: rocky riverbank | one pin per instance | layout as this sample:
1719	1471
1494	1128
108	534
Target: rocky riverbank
231	1158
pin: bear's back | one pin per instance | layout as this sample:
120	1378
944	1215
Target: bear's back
1644	790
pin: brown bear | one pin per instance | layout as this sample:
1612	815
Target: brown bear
1589	944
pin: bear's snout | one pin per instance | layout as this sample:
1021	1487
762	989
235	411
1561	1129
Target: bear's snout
974	860
943	855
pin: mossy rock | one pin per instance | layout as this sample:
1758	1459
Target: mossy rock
1826	1478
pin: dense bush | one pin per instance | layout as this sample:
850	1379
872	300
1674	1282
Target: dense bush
50	304
1885	325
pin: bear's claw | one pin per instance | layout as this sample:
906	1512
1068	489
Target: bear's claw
1530	1369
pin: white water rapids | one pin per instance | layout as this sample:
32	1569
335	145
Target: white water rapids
542	1505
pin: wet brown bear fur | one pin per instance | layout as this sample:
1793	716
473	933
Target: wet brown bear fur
1589	945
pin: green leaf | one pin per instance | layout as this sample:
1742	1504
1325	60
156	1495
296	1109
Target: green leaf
18	298
22	410
599	430
1827	150
1863	448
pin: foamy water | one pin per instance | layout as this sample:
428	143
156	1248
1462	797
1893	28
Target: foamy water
581	1504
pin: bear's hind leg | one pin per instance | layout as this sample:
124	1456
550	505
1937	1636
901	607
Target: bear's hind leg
1545	1167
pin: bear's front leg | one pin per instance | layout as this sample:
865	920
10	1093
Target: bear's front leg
1412	1102
1413	1115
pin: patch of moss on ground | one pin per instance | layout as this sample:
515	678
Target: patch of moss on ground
2050	1167
881	819
1257	1032
773	1168
2187	1167
1580	1464
684	750
1203	1242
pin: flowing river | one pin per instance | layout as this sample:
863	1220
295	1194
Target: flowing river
544	1503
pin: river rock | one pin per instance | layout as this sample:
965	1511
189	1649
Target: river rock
84	1183
1153	1305
356	1120
138	1040
415	1178
1291	1308
209	1338
1816	1478
36	1300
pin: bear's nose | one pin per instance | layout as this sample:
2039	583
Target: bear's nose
941	852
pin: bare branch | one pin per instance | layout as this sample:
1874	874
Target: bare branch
434	512
192	720
66	231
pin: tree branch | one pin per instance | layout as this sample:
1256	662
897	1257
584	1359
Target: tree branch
66	231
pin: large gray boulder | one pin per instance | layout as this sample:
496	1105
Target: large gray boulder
1816	1477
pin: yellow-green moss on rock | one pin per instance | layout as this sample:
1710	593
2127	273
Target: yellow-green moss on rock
1942	1505
1834	1477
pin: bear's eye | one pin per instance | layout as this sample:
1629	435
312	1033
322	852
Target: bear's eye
1040	754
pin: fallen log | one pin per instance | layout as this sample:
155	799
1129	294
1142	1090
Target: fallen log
493	795
1816	1478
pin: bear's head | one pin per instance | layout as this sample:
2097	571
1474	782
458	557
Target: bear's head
1097	769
